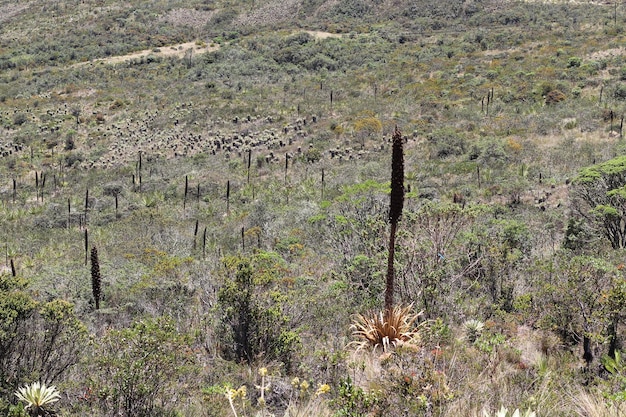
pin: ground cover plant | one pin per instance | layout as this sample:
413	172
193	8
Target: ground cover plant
195	207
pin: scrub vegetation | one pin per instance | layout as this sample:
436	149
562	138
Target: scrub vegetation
195	208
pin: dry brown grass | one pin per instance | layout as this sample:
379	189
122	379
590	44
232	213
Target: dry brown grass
188	17
9	11
314	407
271	13
594	405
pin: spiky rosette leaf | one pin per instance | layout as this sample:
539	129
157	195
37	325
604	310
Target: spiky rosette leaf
38	397
385	329
473	329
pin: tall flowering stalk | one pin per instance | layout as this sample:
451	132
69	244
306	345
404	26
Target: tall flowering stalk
95	277
395	325
395	211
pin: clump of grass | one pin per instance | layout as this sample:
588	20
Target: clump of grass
313	407
385	329
595	405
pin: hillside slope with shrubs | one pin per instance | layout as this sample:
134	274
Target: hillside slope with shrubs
194	208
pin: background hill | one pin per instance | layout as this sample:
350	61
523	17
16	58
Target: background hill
230	164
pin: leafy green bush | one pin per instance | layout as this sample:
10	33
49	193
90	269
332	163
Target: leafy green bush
574	62
38	341
138	370
353	401
251	314
446	142
620	92
600	190
616	367
19	119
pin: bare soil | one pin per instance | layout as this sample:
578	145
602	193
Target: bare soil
180	50
174	50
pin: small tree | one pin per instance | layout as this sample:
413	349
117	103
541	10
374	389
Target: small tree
38	341
239	311
582	301
76	112
367	127
251	312
600	198
435	250
139	376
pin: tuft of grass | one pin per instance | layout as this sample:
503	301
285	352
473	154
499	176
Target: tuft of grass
314	406
595	405
385	329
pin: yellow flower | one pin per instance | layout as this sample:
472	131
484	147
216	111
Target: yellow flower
295	382
231	393
304	386
242	392
322	389
263	371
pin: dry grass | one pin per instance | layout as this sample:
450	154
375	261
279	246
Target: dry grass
313	407
9	11
188	17
594	405
270	13
384	330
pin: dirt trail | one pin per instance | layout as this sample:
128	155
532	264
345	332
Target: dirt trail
181	49
322	35
174	50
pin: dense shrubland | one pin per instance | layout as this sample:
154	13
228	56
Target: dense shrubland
238	199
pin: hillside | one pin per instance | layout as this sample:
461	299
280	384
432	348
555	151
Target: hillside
195	195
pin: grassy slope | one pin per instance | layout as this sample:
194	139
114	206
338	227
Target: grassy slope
424	66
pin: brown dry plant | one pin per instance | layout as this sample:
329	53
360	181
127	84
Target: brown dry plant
385	329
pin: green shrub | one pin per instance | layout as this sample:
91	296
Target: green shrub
38	341
19	119
574	62
600	189
353	401
250	313
137	371
620	92
446	142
